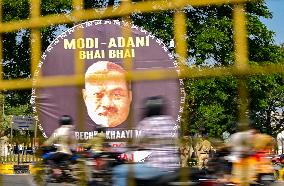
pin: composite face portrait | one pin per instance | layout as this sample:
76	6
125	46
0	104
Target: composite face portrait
106	94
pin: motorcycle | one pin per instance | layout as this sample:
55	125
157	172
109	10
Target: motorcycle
56	167
99	166
255	166
278	165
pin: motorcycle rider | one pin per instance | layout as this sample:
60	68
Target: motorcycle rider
241	143
97	143
242	148
159	138
63	138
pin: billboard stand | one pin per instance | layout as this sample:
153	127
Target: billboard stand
18	155
35	135
12	146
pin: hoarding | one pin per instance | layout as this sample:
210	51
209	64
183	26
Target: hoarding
118	104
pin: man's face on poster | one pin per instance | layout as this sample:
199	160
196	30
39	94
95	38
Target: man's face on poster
106	94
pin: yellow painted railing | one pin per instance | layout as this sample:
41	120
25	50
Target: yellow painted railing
35	22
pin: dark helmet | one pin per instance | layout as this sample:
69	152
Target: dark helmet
65	120
154	106
101	129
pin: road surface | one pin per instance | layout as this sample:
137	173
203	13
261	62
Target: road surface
23	180
26	180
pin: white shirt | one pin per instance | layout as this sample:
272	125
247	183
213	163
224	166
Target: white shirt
64	138
161	139
241	143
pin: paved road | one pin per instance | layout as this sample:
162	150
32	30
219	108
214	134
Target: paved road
22	180
26	180
14	180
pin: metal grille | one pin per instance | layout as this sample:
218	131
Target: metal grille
36	21
240	69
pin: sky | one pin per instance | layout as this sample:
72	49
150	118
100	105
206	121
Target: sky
276	24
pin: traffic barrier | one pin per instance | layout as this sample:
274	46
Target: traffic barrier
6	169
21	169
10	169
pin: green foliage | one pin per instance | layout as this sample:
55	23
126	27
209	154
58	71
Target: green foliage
55	7
211	103
267	102
15	10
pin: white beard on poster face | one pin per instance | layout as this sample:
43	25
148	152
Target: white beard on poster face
94	115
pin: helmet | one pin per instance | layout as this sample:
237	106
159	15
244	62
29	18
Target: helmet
101	129
65	120
154	106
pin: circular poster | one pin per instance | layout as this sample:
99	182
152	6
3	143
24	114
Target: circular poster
106	99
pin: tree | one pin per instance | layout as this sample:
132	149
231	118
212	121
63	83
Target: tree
16	45
3	126
210	103
213	103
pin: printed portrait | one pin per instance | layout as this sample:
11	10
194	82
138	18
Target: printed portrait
107	94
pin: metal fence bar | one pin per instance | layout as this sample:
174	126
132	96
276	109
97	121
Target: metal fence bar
241	63
180	37
148	75
145	6
79	65
241	60
1	45
24	157
241	68
35	41
240	37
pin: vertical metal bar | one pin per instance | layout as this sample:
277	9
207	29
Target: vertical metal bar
127	62
240	37
35	134
77	5
35	41
244	104
126	32
11	134
1	61
127	65
18	150
79	63
180	38
1	44
79	68
241	58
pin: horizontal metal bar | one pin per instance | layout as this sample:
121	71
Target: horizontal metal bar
146	75
232	71
89	14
